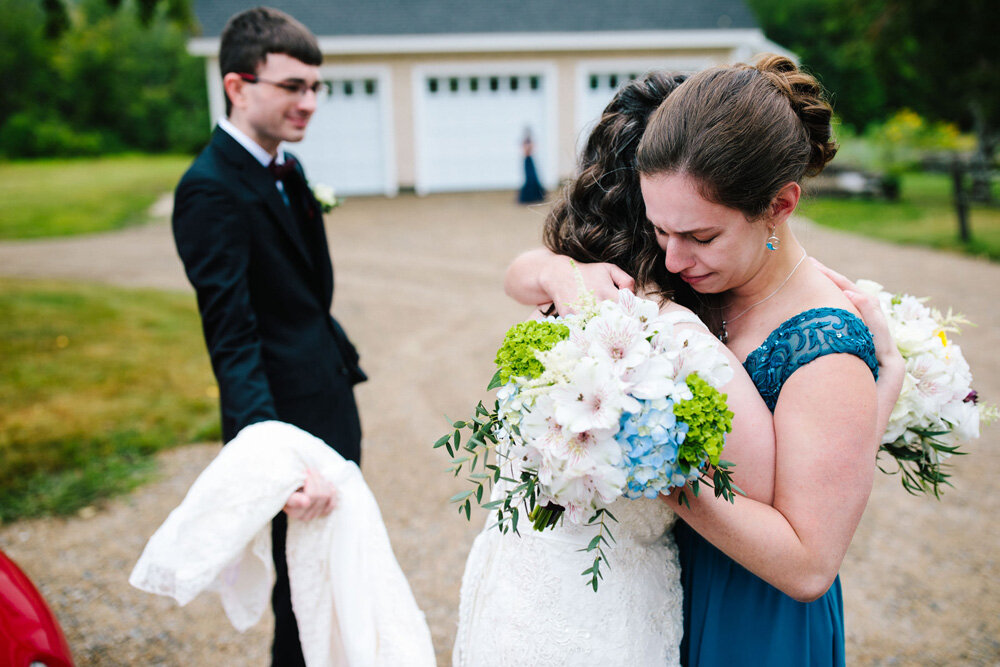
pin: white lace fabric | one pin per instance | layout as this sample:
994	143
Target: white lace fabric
351	600
524	600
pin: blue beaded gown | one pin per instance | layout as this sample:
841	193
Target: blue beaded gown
532	191
731	616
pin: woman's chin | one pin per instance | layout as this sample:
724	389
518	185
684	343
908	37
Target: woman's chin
703	284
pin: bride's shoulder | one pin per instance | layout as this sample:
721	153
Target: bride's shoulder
679	314
674	307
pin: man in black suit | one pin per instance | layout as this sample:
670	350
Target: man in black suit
250	234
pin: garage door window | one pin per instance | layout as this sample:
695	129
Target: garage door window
471	128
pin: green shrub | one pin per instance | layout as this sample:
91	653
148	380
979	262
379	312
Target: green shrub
132	81
25	135
115	77
904	141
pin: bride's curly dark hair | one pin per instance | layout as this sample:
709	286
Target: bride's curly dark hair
600	216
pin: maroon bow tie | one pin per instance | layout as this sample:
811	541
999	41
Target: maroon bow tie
282	171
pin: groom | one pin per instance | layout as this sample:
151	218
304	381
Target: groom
251	236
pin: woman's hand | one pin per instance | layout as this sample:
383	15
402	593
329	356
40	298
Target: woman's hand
892	368
539	277
316	498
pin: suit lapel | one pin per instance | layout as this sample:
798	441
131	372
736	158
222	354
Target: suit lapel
313	223
256	177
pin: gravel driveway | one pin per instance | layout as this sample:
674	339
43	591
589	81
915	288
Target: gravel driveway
419	289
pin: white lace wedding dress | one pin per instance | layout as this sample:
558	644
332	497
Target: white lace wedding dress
525	602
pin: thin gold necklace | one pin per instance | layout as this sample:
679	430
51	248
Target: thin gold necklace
724	336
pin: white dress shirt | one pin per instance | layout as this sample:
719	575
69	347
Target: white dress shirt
257	151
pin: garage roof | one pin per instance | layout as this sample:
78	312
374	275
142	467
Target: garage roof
427	17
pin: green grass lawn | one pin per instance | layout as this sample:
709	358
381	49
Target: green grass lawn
61	197
924	215
94	379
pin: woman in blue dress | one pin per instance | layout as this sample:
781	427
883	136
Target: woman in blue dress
720	165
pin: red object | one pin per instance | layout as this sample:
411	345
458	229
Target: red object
29	631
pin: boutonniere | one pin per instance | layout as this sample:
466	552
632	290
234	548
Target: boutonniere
325	196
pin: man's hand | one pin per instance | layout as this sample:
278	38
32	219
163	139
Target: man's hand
316	498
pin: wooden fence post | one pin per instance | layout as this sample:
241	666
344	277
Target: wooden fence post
961	200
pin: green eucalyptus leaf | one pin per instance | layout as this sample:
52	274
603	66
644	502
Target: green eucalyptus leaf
460	496
496	382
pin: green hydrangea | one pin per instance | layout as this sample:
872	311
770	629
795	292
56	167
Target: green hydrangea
709	420
516	357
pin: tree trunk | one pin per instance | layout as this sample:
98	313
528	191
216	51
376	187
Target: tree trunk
982	160
961	199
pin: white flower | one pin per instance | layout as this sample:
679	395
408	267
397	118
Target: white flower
593	399
698	352
654	378
326	197
643	311
618	338
870	287
562	358
937	379
964	417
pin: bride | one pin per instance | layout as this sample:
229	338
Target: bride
524	599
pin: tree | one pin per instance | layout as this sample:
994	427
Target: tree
942	60
135	83
23	61
823	34
84	77
56	18
936	57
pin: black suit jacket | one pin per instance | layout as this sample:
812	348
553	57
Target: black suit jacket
264	281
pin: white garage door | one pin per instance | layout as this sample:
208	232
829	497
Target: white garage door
470	127
599	80
598	89
346	145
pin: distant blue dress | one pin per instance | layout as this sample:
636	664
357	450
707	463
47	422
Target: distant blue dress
732	617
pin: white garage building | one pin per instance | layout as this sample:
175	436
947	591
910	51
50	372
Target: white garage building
436	95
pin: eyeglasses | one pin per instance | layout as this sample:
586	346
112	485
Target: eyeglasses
297	88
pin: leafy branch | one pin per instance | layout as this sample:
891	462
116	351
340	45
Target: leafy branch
482	426
522	499
597	545
721	482
919	464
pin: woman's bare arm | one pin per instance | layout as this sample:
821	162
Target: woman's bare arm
750	445
892	368
539	276
823	423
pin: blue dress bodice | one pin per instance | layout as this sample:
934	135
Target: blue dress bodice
731	616
803	338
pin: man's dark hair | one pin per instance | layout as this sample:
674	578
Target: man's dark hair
249	36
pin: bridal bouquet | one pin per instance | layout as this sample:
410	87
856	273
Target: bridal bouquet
611	401
937	408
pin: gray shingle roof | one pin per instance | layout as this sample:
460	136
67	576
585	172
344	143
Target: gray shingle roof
421	17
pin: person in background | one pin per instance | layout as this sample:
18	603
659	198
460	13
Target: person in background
532	191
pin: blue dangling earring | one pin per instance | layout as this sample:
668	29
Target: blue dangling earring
773	242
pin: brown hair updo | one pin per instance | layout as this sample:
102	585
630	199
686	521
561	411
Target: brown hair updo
742	132
600	216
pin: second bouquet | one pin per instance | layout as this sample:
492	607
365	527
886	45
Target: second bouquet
616	400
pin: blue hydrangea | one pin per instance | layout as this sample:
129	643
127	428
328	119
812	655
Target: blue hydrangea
649	440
